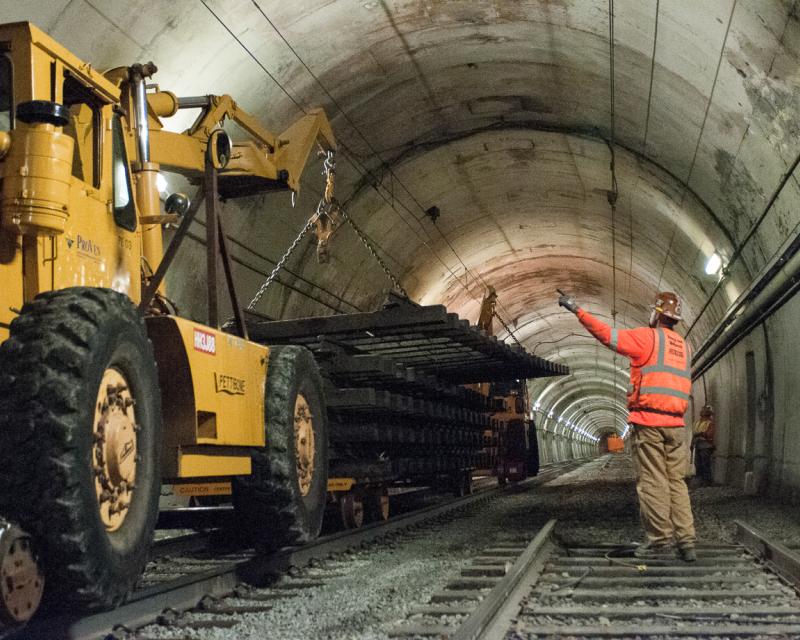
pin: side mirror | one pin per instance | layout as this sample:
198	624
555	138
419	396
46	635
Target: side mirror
177	203
219	149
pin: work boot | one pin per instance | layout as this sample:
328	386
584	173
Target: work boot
652	550
687	553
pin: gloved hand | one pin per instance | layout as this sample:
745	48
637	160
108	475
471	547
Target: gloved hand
568	303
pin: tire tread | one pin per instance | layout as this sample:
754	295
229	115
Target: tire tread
39	376
264	500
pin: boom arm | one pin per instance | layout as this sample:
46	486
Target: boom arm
265	162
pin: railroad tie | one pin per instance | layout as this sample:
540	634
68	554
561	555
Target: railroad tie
603	591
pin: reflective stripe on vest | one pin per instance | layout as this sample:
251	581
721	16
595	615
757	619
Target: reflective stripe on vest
664	391
660	367
665	387
614	338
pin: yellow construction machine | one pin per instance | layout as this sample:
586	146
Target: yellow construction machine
105	394
511	439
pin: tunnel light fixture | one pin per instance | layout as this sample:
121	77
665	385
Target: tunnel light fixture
714	264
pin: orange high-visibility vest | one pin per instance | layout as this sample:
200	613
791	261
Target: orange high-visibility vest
664	382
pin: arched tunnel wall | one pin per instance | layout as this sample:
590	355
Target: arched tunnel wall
753	392
500	113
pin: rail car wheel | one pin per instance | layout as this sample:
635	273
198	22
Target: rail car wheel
21	580
80	439
352	508
282	501
376	506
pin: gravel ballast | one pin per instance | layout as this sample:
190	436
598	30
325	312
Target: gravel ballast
364	594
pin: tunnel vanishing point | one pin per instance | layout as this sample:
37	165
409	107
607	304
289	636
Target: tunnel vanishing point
609	148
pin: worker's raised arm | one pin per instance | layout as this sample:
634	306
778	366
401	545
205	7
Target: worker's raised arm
636	344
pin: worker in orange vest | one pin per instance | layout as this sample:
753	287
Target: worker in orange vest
658	397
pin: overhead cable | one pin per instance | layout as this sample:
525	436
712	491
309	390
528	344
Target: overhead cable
613	192
652	75
697	143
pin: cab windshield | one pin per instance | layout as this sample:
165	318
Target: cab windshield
6	99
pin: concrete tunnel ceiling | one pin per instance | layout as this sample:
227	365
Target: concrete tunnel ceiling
500	114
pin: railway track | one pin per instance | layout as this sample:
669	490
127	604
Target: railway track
211	582
551	591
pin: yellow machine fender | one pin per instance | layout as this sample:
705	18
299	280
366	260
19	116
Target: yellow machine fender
212	386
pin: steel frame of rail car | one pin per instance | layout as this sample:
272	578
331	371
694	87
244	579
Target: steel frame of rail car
518	450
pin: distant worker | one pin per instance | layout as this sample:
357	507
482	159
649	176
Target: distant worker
658	397
703	444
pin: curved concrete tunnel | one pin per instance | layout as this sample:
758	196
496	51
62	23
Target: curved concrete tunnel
506	115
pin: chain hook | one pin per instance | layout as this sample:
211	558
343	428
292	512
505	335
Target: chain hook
325	220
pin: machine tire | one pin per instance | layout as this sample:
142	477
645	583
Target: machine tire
60	348
269	502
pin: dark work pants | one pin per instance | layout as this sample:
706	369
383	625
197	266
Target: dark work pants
702	464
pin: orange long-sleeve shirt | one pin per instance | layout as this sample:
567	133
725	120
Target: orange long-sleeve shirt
637	345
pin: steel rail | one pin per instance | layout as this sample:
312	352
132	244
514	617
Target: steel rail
185	592
480	623
777	556
610	588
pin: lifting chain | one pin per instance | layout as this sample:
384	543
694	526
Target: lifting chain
507	328
327	218
330	216
263	288
374	253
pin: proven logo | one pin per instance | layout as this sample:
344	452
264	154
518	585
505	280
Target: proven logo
86	245
205	342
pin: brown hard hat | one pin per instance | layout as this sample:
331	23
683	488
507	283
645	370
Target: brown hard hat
669	305
707	410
